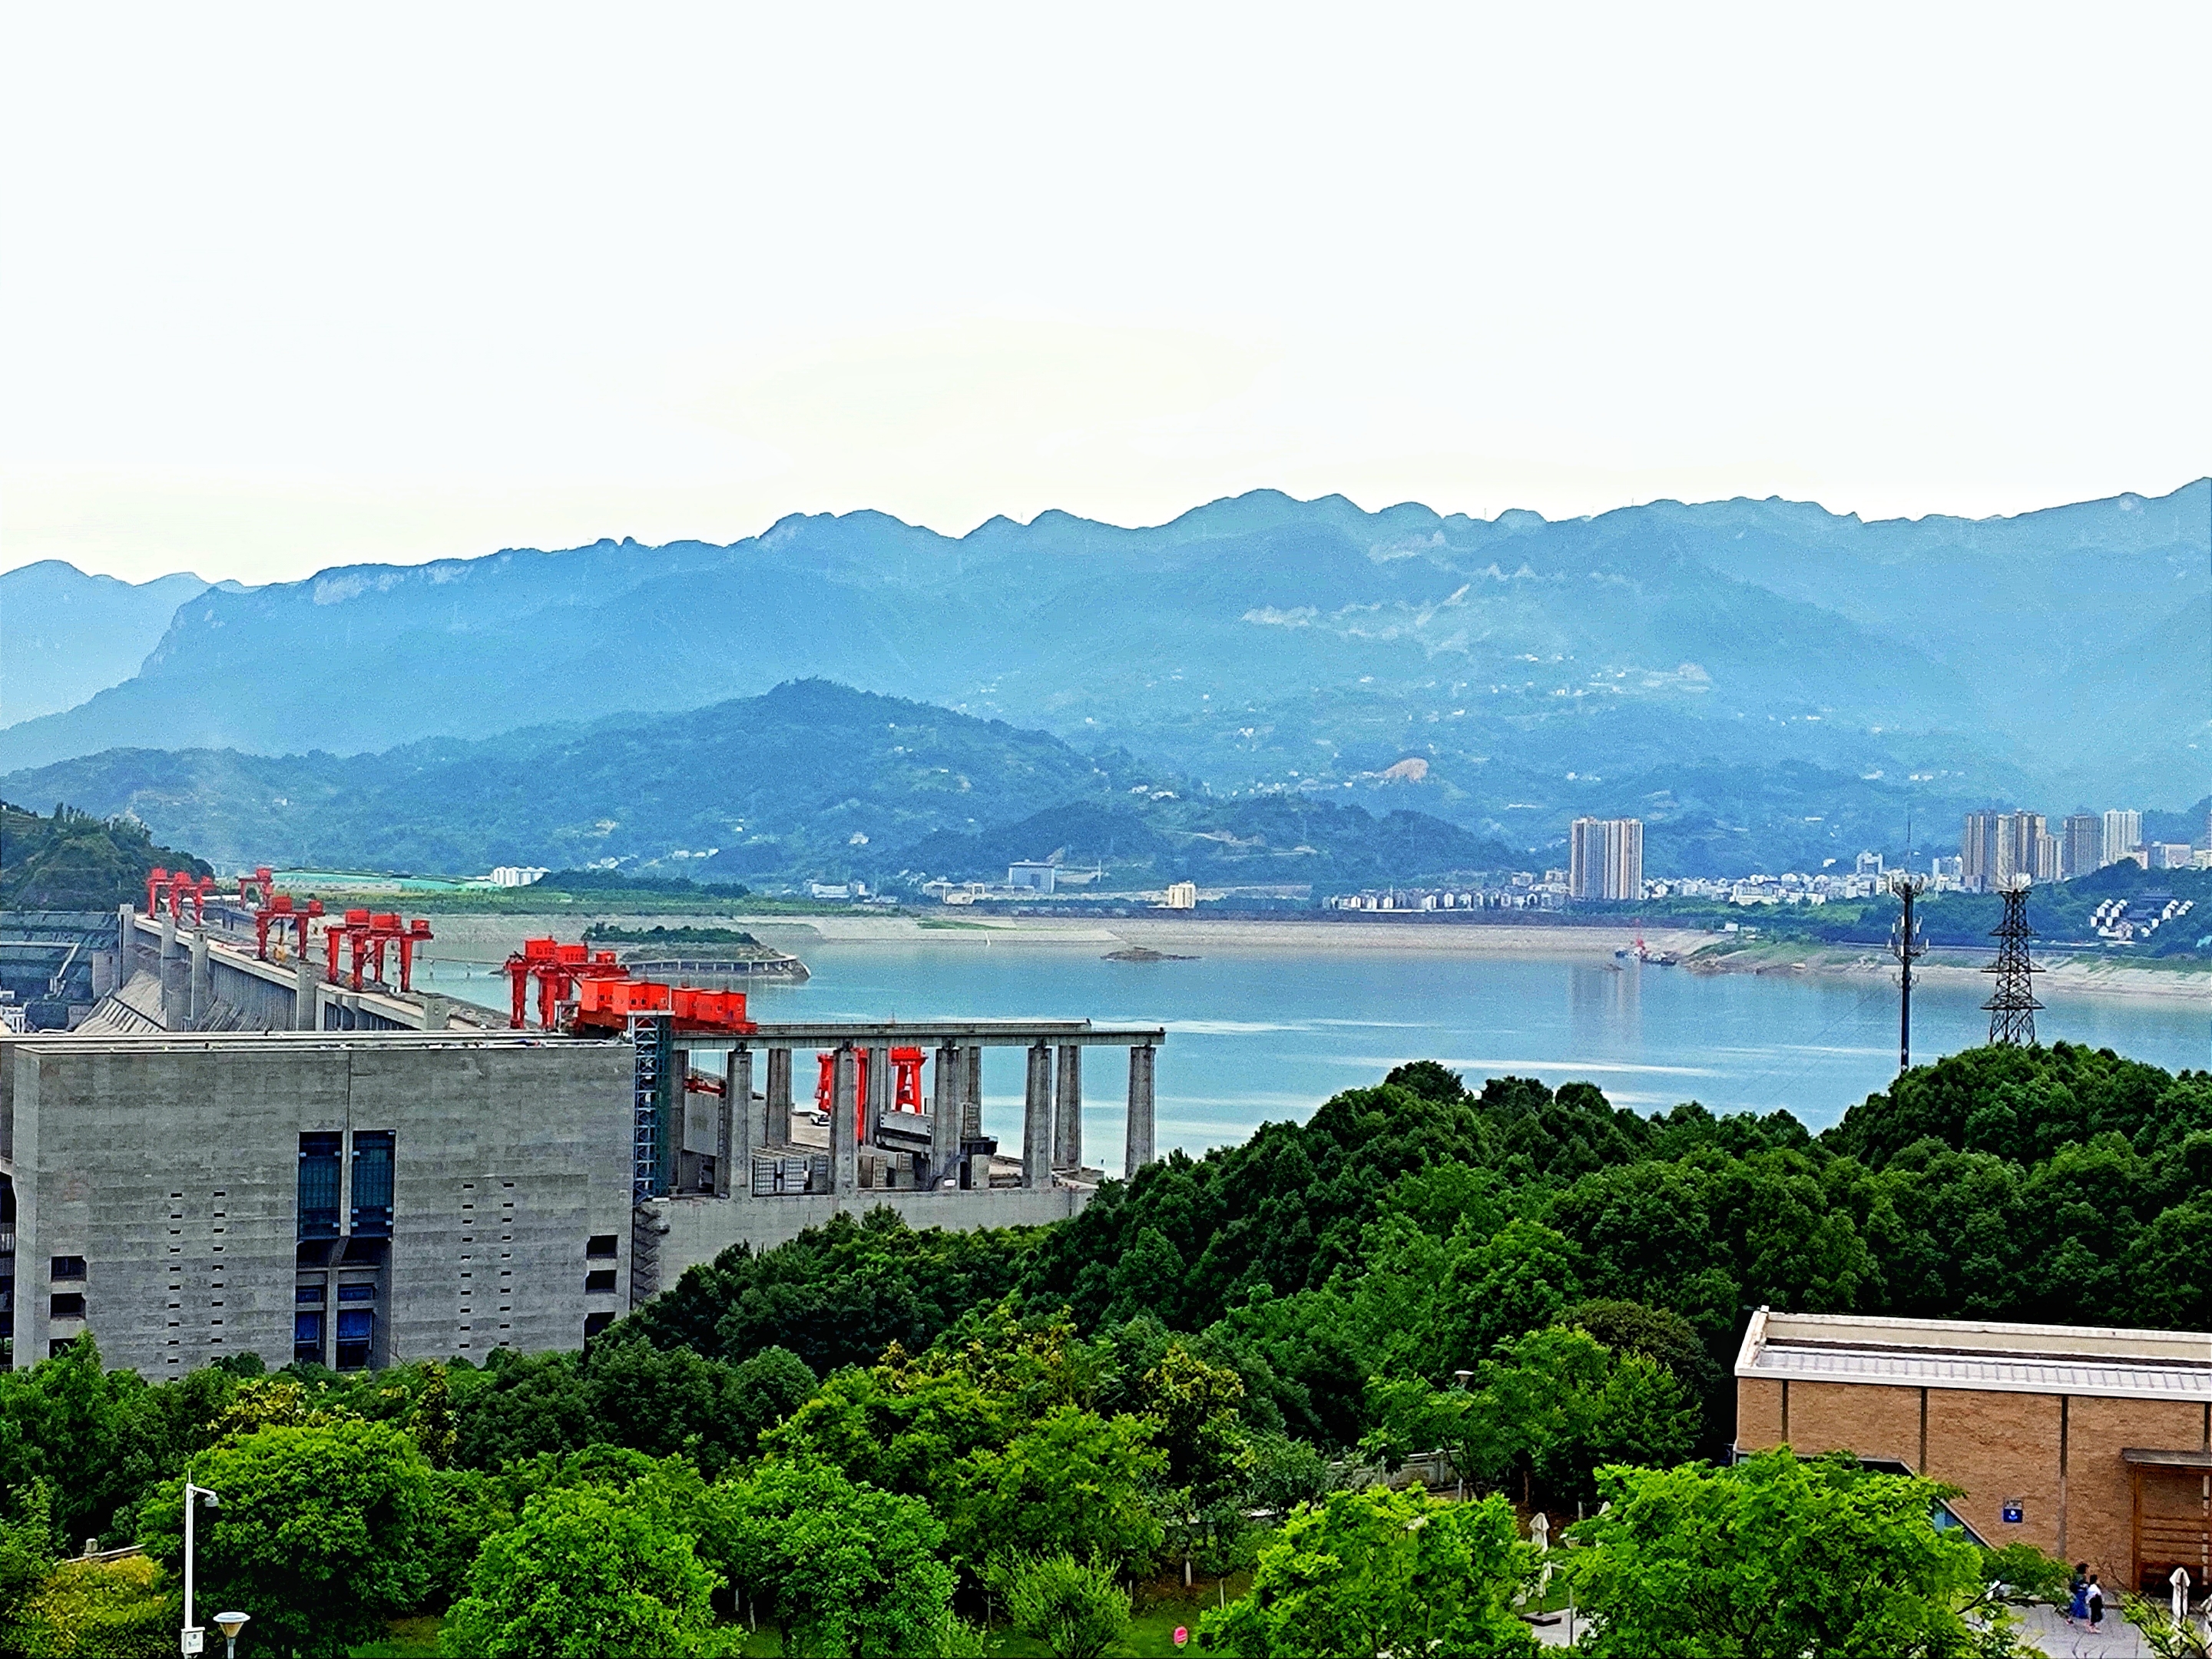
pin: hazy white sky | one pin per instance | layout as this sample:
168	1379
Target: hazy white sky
286	287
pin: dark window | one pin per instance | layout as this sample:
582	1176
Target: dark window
59	1345
308	1296
319	1186
603	1279
71	1306
371	1183
356	1329
594	1324
66	1266
600	1247
308	1338
357	1293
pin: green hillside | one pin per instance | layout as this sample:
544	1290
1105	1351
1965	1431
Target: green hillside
75	862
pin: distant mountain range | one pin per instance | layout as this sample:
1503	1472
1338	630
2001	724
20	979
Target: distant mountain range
70	636
1762	681
810	780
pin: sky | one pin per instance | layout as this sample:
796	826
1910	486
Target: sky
282	287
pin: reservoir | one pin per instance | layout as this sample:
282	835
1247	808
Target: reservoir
1260	1035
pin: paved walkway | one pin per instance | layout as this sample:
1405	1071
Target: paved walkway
2045	1626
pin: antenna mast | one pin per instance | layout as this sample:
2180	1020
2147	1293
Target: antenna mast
2012	1010
1904	944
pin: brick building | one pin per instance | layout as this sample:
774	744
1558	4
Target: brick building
2093	1445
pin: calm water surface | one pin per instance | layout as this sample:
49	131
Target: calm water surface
1255	1036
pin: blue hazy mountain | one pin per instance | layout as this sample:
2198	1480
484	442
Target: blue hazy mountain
68	635
811	779
1502	674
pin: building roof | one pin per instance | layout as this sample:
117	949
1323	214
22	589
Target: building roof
1947	1354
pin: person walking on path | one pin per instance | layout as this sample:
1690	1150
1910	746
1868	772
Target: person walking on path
2077	1590
2096	1594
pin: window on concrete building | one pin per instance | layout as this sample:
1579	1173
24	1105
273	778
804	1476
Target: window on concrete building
319	1186
71	1306
371	1183
357	1293
594	1324
600	1247
310	1296
308	1338
66	1266
59	1345
357	1330
603	1280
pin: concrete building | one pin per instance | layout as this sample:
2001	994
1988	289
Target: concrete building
518	875
2123	835
187	1176
2081	846
349	1199
1604	859
2092	1444
1031	875
1181	895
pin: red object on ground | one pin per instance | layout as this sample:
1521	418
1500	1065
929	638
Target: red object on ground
156	879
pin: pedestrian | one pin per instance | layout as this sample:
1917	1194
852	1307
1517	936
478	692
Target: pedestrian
2078	1592
2096	1594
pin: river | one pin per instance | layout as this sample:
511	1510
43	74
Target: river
1260	1034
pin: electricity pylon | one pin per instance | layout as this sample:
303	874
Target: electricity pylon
2012	1009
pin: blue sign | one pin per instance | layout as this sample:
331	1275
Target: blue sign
2013	1513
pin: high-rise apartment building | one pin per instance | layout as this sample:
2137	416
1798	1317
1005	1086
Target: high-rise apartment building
2081	846
1604	859
1978	851
2123	835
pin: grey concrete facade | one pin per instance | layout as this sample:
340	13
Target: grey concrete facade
471	1190
170	1169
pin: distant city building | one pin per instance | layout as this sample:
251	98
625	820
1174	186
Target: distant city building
1604	859
1034	876
517	875
2047	854
1183	895
2171	855
2081	846
2123	835
836	890
1869	864
1978	851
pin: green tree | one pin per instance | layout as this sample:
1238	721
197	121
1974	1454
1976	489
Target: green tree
323	1533
767	1389
98	1610
1376	1572
838	1567
1773	1558
1076	1610
1073	1481
583	1573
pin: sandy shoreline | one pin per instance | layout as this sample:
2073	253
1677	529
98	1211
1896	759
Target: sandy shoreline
462	937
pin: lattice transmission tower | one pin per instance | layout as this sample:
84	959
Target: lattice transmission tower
2012	1009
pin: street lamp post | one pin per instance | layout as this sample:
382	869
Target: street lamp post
230	1623
193	1639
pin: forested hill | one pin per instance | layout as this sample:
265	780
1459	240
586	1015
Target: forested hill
73	860
809	781
1408	1230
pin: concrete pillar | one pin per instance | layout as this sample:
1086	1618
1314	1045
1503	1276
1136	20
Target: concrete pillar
1137	1143
681	1158
945	1114
1068	1110
1037	1119
168	936
126	944
304	1015
741	1135
844	1154
879	1093
971	1093
200	992
778	1095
